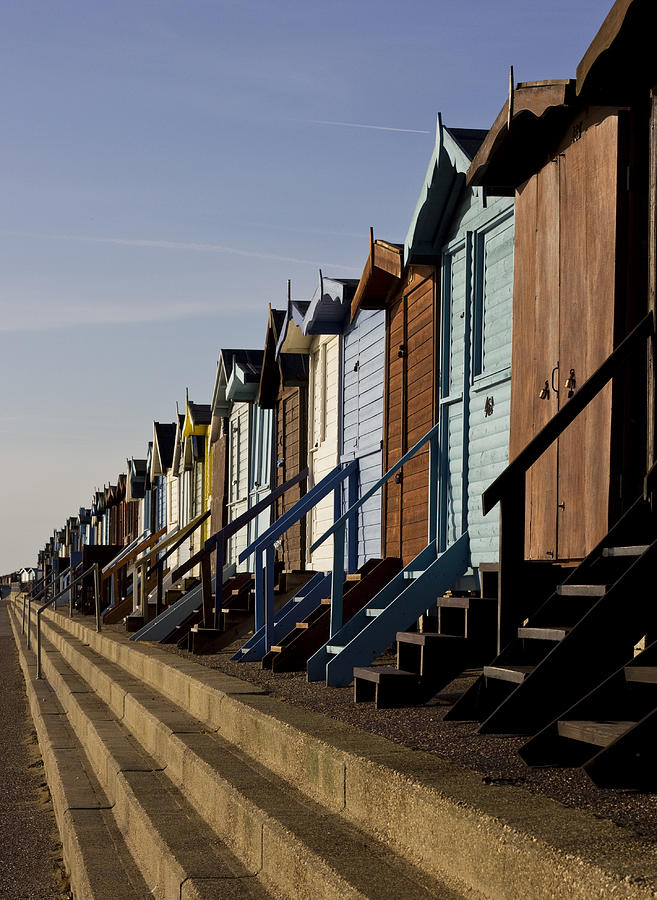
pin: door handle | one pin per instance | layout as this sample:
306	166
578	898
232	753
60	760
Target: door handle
554	371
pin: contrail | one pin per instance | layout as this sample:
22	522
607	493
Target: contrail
375	127
185	245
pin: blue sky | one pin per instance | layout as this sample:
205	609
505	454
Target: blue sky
166	166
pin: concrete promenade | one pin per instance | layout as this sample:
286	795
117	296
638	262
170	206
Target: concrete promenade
30	850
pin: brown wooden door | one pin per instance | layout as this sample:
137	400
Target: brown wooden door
290	459
564	310
410	413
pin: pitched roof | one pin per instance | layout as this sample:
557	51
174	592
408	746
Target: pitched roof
165	433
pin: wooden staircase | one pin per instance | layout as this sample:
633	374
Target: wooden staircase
307	636
611	732
583	632
429	660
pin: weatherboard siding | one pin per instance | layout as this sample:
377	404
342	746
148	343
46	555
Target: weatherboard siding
363	373
238	478
322	439
476	304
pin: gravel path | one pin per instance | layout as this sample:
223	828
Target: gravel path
30	850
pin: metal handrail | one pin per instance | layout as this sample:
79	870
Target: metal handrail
96	572
263	546
339	526
303	505
217	542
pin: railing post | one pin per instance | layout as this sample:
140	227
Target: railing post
219	580
269	596
158	594
97	595
512	583
434	473
259	613
206	592
352	523
38	653
29	616
337	580
25	596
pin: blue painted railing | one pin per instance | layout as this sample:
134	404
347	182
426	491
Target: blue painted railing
348	519
217	543
263	546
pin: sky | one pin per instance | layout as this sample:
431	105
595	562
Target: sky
166	166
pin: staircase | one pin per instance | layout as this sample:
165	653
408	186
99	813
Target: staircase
427	660
153	800
611	732
395	608
577	638
311	631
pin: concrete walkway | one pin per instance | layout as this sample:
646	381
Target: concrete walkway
30	851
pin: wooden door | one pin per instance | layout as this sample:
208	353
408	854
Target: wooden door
564	312
410	413
588	221
290	459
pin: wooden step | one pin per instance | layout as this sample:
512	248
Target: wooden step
385	685
636	550
581	590
516	674
465	602
642	674
543	633
425	638
600	733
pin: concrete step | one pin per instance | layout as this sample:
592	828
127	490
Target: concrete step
266	824
177	853
516	844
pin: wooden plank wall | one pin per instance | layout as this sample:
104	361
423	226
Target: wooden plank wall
363	374
238	477
410	411
322	440
290	458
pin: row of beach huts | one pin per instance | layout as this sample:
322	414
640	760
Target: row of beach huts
453	455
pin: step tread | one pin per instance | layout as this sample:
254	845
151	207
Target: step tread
369	865
630	550
465	602
422	638
544	632
601	733
581	590
644	674
516	674
380	674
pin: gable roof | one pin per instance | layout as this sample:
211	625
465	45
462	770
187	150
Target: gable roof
164	439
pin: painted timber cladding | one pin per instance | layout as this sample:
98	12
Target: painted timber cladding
290	459
238	476
323	392
476	312
363	373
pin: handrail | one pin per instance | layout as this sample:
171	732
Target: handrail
567	414
320	490
217	542
27	601
264	544
339	526
93	568
371	491
159	564
126	555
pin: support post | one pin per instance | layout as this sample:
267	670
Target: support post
219	580
206	592
29	617
352	523
511	583
259	613
269	597
158	594
337	580
434	481
97	594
